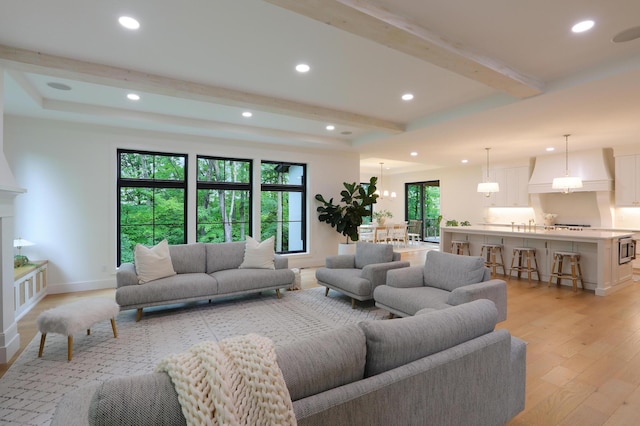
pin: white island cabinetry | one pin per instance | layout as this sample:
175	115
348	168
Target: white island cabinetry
598	251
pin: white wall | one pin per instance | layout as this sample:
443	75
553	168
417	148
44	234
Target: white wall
458	197
69	171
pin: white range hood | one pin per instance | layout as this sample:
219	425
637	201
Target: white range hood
593	166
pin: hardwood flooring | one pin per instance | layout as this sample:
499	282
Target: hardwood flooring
583	351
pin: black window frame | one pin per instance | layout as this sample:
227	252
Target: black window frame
302	188
227	186
149	183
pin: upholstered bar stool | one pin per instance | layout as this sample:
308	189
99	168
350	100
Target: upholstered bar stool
490	252
524	255
458	247
576	271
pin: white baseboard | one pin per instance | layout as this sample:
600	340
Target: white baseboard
81	286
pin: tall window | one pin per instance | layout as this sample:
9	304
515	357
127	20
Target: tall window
152	200
224	199
423	204
282	205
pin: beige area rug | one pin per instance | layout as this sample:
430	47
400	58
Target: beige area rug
31	388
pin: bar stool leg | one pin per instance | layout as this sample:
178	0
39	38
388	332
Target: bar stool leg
574	277
580	272
535	262
553	269
513	259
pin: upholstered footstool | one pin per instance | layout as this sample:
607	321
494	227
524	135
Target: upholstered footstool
74	317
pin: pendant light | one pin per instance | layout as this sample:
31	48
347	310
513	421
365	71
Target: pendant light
566	183
488	187
384	193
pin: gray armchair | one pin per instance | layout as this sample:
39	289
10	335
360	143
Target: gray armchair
445	280
358	275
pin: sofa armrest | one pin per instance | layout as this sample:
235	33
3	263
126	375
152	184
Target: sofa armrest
126	275
341	261
494	290
376	273
406	277
281	262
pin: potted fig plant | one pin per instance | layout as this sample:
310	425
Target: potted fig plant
354	206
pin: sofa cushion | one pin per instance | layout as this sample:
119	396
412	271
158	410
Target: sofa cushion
423	335
221	256
233	281
153	262
258	255
450	271
187	258
323	362
368	253
412	299
166	290
349	280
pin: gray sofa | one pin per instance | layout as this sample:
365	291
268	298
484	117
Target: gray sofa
445	280
358	275
204	271
448	367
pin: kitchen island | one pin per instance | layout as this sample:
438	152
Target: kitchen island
598	250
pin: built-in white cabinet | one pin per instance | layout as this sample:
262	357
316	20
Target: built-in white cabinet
514	191
628	181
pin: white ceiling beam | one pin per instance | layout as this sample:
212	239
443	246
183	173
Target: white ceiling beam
56	66
26	86
399	33
249	133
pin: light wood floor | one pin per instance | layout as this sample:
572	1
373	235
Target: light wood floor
583	352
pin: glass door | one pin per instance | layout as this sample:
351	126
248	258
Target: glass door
423	205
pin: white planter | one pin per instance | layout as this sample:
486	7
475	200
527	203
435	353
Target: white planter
344	248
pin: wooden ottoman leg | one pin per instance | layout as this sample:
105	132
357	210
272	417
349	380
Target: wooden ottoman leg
139	314
113	327
69	347
278	293
42	339
88	332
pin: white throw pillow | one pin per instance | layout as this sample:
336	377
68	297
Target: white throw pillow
153	263
259	255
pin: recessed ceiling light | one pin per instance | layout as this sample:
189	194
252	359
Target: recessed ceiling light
129	22
133	97
302	68
407	96
414	154
58	86
465	161
583	26
330	127
247	114
549	149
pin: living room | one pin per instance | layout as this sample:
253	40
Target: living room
61	145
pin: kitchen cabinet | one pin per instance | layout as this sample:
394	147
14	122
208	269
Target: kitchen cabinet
628	181
514	191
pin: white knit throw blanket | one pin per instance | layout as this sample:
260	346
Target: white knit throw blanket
233	382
